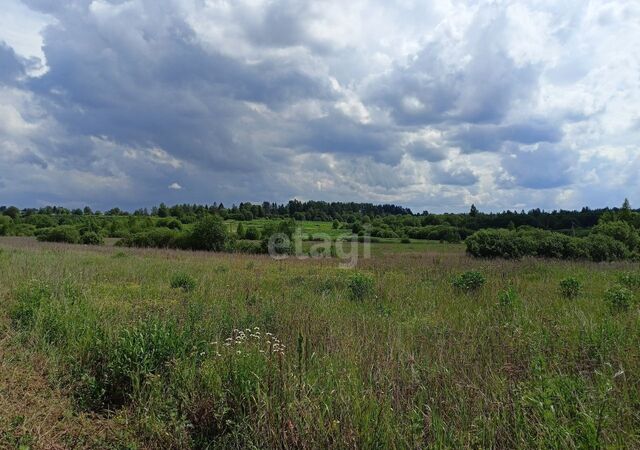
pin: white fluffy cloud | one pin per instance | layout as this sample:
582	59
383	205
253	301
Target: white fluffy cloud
508	104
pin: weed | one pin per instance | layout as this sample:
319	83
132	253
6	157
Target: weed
630	280
508	298
469	281
361	286
28	300
619	298
183	281
570	288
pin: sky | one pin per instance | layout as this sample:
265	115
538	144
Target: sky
433	105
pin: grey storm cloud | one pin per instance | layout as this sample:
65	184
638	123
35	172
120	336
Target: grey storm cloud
366	100
11	68
492	137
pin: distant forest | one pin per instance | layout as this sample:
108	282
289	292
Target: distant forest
350	212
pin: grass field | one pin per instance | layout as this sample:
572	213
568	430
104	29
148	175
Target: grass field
98	350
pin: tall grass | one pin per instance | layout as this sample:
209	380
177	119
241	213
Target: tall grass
271	354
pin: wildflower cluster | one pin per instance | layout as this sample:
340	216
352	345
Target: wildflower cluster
248	340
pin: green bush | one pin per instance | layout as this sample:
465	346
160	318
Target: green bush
630	280
169	222
183	281
91	238
360	286
469	281
620	231
601	247
155	238
252	234
6	225
65	233
405	241
250	247
209	234
570	288
511	244
619	298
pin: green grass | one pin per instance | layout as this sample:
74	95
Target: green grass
413	362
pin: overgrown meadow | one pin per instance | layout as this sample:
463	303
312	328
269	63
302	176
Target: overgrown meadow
418	347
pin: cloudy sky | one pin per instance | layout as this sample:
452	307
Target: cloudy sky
428	104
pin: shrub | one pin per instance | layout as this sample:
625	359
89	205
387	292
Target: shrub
601	247
91	238
570	288
64	233
209	234
405	240
5	225
630	280
512	244
252	234
183	281
469	281
169	222
498	243
508	297
360	286
619	298
250	247
156	238
620	231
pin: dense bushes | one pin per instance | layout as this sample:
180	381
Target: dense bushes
155	238
512	244
446	233
91	238
64	233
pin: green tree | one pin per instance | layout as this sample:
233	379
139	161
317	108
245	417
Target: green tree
12	212
209	234
240	231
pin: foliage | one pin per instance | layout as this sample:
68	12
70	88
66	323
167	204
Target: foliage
63	233
209	234
91	238
361	286
169	222
154	238
6	224
570	288
619	298
469	281
512	244
252	234
183	281
630	280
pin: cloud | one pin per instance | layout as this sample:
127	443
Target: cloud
175	186
434	106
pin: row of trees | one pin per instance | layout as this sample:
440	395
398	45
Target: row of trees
615	237
394	216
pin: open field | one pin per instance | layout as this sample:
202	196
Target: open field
99	351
